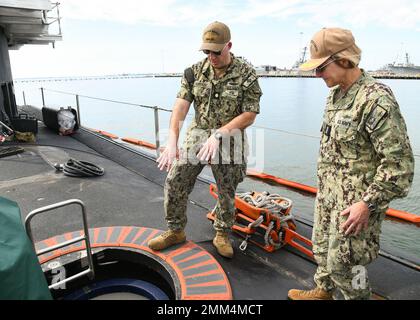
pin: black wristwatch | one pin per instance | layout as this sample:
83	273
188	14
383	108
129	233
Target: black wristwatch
371	206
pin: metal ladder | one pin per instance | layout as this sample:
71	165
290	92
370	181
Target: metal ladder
90	272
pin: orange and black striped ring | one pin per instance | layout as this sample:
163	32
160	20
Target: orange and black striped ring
198	273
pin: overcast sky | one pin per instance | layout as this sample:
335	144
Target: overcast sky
139	36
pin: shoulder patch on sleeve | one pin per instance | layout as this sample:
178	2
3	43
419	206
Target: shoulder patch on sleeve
189	76
375	117
249	81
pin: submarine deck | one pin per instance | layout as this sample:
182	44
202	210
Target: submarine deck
131	194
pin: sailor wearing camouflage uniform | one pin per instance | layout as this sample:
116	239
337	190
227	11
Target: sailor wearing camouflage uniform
365	161
226	96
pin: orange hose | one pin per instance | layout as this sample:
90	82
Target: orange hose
407	216
140	143
403	215
281	181
107	134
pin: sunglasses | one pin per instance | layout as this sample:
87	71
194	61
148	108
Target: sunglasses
322	67
216	53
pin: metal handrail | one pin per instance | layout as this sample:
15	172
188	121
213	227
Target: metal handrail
156	114
50	20
90	272
109	100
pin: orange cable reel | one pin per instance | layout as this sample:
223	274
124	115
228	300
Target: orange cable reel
265	220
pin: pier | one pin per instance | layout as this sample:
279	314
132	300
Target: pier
100	77
376	75
278	74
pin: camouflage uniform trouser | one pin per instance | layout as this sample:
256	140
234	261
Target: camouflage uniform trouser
342	259
180	182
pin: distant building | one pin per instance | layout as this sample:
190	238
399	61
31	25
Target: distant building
266	69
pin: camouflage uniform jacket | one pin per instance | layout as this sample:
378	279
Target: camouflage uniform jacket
218	101
365	153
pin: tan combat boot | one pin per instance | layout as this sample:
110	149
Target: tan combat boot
314	294
167	239
223	245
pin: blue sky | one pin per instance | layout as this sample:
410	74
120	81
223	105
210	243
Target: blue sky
136	36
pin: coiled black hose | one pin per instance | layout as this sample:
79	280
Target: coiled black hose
78	168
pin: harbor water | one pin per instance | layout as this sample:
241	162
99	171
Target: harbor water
284	140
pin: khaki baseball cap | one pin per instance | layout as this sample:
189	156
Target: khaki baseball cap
215	36
328	42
